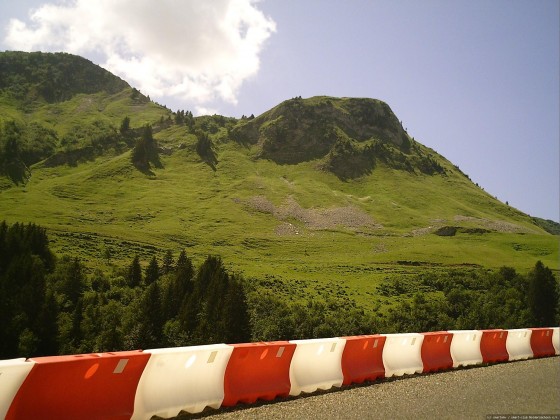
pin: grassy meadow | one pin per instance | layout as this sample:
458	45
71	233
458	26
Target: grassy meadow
259	217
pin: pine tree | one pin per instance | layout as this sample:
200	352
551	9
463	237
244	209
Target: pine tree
542	296
167	266
74	284
179	289
125	126
150	332
237	328
134	278
111	338
152	272
47	328
205	149
145	152
139	156
11	163
183	282
213	301
151	146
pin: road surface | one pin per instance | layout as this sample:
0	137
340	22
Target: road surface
529	388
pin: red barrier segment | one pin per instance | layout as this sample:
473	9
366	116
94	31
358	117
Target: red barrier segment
87	386
362	358
436	351
541	342
493	346
258	371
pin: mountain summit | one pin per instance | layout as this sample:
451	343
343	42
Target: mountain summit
299	129
350	135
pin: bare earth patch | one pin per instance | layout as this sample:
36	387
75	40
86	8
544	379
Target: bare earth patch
491	225
495	225
422	231
314	219
286	229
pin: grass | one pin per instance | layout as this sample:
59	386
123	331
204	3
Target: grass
84	109
107	203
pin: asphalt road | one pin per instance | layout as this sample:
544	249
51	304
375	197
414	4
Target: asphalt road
523	388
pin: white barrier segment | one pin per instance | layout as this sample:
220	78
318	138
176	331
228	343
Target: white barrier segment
12	374
465	347
556	340
316	364
518	344
182	378
402	354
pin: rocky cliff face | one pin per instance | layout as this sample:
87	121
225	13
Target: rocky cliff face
299	130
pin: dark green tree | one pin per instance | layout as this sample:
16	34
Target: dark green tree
209	312
167	266
235	317
22	295
179	288
205	149
134	277
152	272
179	117
74	339
111	337
47	327
150	320
69	282
139	156
542	296
125	126
270	318
193	315
27	312
11	163
145	152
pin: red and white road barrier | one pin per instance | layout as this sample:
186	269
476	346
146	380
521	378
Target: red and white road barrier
163	382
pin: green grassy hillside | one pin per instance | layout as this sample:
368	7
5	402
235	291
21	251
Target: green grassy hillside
319	193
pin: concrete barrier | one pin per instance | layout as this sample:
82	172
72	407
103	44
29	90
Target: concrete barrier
316	364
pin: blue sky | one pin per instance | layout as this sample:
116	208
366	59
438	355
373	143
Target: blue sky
477	81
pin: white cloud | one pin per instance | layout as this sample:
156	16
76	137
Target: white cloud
202	110
192	49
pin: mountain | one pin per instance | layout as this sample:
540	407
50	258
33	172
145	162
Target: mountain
350	135
37	77
313	193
